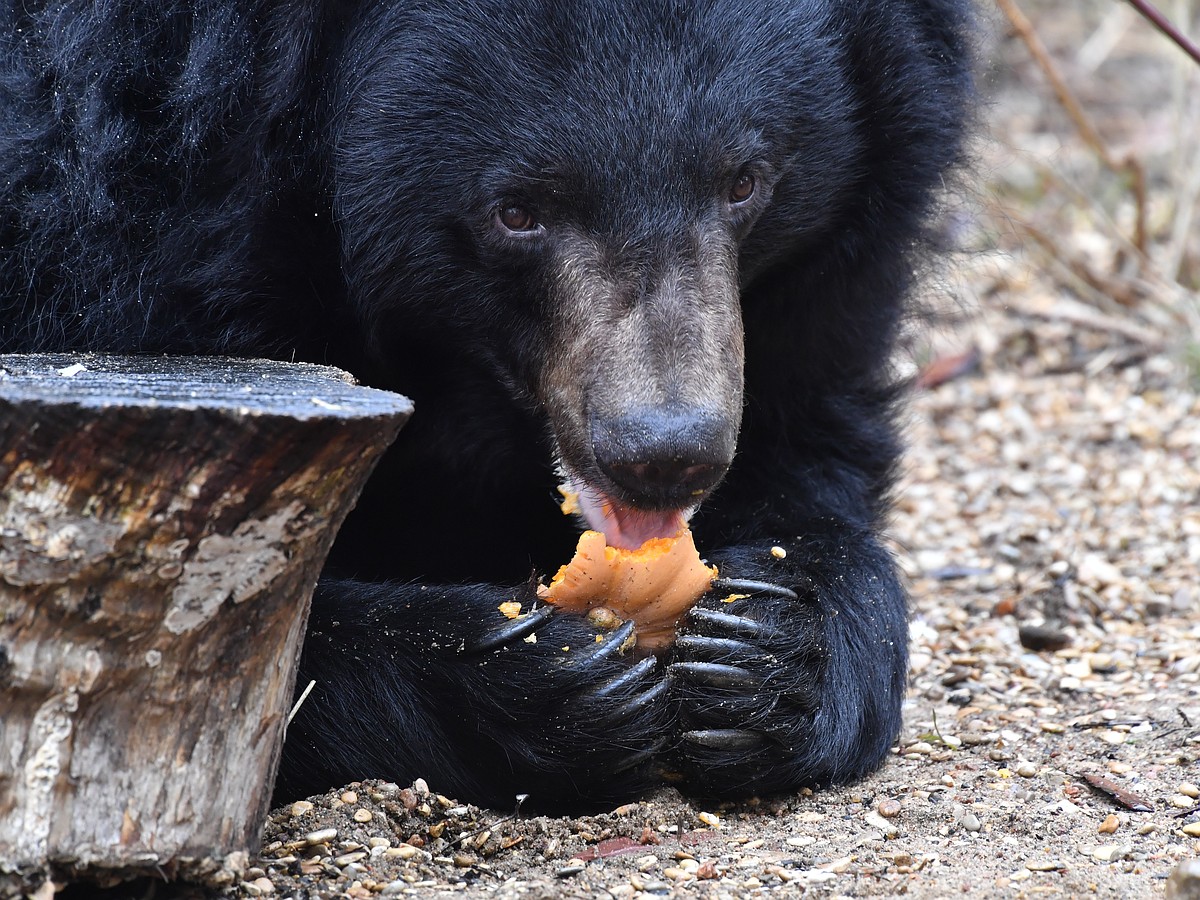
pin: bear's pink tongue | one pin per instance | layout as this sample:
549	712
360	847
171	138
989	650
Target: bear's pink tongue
626	527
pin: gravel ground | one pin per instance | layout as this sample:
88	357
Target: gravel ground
1049	523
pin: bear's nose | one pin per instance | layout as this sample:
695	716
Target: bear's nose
664	457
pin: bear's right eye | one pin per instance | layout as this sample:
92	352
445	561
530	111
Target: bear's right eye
517	219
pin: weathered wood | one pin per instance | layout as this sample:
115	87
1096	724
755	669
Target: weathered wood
162	525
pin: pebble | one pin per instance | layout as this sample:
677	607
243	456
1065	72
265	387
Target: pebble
1189	790
889	808
710	819
889	829
1043	865
300	807
1110	824
971	822
394	889
320	836
348	858
1182	801
1111	852
1184	883
1192	829
349	797
362	815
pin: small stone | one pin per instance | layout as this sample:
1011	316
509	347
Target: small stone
889	808
321	836
1181	801
1052	727
778	552
393	889
381	842
1184	883
1111	852
1189	790
349	797
676	873
646	863
1192	829
1042	638
348	858
1110	824
888	829
300	807
362	815
1043	865
710	819
1026	769
971	822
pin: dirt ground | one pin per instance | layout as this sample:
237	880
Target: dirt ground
1049	522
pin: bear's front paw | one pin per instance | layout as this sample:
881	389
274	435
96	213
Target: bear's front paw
573	703
746	675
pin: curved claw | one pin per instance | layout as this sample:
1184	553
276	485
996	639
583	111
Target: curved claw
613	645
638	757
724	738
742	626
626	679
518	628
638	702
718	649
742	585
717	675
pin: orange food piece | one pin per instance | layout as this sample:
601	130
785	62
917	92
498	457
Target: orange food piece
653	585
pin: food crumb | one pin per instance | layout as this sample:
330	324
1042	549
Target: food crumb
510	610
778	552
570	501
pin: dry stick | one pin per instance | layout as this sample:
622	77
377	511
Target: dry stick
1163	24
1129	166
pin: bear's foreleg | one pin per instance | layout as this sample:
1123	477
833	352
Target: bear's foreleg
435	682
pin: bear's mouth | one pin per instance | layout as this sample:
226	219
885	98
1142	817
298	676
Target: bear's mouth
622	525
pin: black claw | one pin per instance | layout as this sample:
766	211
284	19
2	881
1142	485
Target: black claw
622	682
716	675
739	625
724	738
639	702
613	645
638	758
741	585
520	627
717	649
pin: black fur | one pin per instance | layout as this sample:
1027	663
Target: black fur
320	180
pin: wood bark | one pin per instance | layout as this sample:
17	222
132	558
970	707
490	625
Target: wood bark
162	526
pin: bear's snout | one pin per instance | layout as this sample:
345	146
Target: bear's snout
664	457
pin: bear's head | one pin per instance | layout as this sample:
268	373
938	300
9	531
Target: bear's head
590	192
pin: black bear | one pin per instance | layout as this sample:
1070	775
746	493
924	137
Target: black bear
598	243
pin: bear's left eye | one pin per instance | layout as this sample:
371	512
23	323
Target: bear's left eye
517	219
742	189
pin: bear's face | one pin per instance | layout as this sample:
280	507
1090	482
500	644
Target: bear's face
585	196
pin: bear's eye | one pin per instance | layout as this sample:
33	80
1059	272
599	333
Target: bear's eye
517	219
743	188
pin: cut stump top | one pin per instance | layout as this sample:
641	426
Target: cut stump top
250	386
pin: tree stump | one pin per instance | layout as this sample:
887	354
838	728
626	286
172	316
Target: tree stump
162	526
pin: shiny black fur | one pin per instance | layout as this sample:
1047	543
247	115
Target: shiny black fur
319	180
